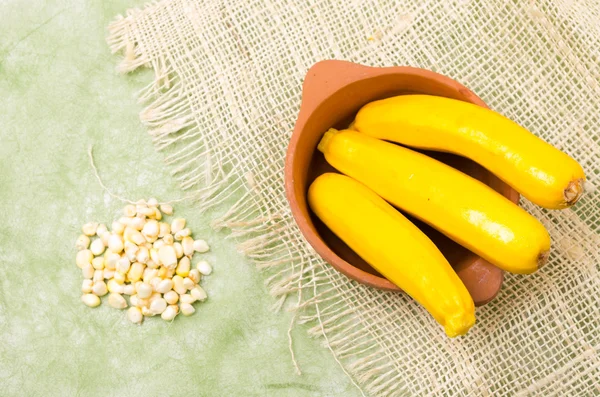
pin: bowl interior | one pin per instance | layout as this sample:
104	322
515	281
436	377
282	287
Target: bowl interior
338	110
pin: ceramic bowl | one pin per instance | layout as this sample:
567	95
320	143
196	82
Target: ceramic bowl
333	92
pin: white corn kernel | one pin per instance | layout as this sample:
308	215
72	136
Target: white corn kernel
97	247
87	270
129	289
105	237
119	277
150	229
169	273
162	272
135	315
113	286
171	297
157	244
123	265
157	214
135	272
143	302
178	285
177	225
110	260
151	264
169	313
89	229
166	209
204	267
101	230
131	254
140	204
100	288
167	256
84	257
118	227
137	238
158	306
178	249
143	255
187	298
117	301
154	256
188	283
98	263
144	291
86	286
129	210
201	246
149	274
154	296
187	309
108	274
129	246
188	245
127	233
147	212
98	276
168	239
195	276
83	242
152	202
115	243
147	312
134	300
183	269
90	300
198	293
154	282
183	233
163	228
125	222
164	286
137	223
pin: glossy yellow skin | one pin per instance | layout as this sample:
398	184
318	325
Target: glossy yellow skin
536	169
390	243
461	207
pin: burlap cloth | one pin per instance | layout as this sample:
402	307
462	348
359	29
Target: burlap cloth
222	108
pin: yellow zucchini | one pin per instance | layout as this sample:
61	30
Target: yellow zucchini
536	169
390	243
466	210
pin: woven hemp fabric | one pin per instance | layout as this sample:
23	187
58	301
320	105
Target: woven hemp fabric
226	93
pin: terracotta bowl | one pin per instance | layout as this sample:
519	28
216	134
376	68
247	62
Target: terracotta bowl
333	92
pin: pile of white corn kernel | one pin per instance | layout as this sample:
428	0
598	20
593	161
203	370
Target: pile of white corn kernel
144	258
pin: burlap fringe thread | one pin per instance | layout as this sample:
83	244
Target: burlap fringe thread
167	113
207	162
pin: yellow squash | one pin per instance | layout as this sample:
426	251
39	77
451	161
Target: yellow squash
536	169
395	247
461	207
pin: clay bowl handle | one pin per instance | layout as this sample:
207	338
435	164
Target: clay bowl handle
324	79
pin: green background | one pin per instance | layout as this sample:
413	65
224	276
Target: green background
60	93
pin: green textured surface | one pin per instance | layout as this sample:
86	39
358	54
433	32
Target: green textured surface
59	93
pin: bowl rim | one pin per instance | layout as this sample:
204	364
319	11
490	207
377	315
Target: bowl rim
333	84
